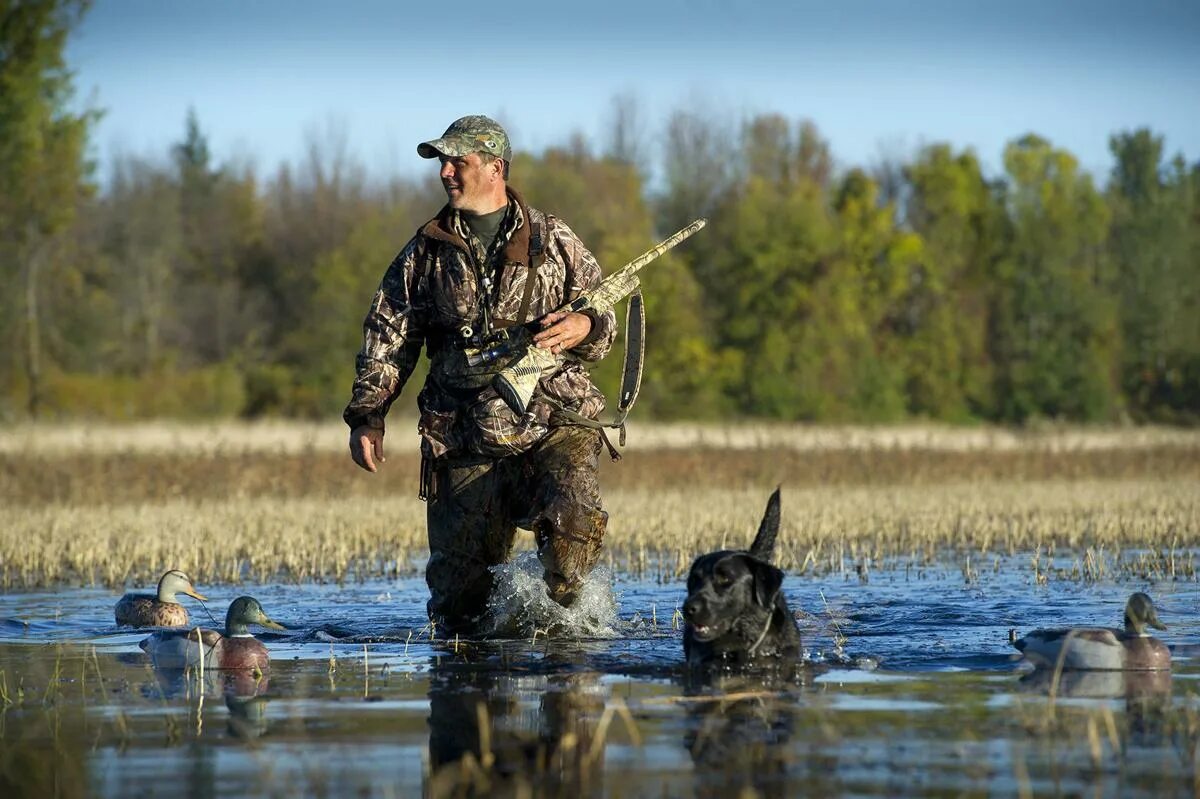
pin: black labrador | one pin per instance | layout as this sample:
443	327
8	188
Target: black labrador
735	611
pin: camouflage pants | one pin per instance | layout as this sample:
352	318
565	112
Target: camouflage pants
476	505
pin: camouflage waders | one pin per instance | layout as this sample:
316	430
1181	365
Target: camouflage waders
476	504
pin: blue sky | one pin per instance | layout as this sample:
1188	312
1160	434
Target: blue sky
875	77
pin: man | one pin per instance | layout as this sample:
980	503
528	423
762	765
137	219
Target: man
485	262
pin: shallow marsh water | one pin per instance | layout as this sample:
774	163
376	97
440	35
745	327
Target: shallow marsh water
911	688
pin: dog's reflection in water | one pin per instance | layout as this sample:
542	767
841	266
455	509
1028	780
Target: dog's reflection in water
514	734
740	729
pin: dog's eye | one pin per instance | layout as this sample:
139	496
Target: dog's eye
722	580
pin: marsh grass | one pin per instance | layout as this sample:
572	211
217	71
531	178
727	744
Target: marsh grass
281	437
1089	511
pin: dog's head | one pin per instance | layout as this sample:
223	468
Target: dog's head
724	589
727	587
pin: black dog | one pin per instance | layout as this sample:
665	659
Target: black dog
735	611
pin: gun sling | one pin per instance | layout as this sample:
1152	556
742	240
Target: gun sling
631	378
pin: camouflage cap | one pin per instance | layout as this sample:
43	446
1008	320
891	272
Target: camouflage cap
471	134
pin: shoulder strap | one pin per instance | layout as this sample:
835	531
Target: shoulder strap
425	256
538	223
634	358
539	230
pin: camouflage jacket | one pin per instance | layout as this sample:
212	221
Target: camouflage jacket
432	290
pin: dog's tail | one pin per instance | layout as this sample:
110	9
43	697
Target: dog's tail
764	542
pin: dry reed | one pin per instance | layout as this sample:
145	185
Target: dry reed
289	436
109	516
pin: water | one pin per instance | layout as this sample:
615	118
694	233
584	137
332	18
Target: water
910	688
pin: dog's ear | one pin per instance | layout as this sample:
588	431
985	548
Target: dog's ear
764	542
767	580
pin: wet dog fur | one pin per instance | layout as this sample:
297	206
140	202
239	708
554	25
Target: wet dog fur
735	611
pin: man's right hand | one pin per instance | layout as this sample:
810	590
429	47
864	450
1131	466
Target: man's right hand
366	446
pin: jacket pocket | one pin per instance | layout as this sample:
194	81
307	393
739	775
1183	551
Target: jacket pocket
439	424
496	432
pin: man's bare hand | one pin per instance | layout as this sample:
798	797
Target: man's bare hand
561	331
366	446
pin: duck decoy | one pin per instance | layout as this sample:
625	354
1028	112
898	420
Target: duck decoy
235	649
1102	648
161	609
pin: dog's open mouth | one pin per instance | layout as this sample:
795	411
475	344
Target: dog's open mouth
702	632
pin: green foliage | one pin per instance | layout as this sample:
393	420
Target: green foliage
346	279
1056	325
206	392
945	314
43	175
1155	244
770	250
41	146
603	201
193	288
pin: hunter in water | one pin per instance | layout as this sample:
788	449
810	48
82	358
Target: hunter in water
491	462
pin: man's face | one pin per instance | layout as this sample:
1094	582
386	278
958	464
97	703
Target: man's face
470	183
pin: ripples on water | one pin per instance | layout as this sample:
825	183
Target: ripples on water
592	700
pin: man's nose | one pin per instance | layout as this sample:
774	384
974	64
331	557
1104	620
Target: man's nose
447	171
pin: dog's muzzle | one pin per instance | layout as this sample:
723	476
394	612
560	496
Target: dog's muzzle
693	613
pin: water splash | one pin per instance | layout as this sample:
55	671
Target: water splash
519	606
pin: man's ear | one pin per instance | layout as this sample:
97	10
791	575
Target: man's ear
767	581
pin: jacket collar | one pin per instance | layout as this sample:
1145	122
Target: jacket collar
442	228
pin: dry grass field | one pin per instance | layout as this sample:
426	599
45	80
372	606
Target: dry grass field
234	502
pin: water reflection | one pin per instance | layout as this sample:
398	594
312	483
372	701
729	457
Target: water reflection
247	716
90	717
1078	684
244	693
740	728
186	683
1147	696
514	733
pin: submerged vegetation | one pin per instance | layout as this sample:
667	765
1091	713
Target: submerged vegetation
99	515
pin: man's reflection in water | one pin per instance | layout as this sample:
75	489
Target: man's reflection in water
739	730
500	733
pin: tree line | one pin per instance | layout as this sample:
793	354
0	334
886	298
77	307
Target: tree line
920	287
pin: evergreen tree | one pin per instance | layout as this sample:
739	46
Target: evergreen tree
43	176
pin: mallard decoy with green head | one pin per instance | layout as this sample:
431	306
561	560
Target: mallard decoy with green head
236	649
161	609
1102	648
